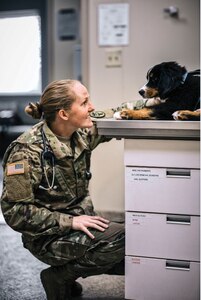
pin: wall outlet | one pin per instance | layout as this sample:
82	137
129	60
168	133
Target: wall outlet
113	58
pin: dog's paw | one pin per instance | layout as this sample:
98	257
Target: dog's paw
137	114
184	115
117	116
175	115
127	114
180	115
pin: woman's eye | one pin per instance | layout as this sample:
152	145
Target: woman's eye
85	103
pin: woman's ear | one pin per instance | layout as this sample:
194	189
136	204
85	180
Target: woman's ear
63	114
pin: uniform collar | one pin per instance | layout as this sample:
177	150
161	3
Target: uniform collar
62	150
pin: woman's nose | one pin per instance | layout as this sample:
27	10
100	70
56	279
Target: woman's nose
91	106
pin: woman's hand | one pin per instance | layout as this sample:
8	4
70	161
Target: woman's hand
83	222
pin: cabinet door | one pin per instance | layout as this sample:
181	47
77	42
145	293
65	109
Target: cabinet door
160	279
163	235
165	190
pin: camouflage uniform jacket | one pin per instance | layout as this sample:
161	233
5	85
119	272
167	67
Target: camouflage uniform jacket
42	215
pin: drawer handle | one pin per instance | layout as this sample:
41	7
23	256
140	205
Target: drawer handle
178	219
178	265
184	173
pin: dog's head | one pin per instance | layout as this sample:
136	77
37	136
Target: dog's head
162	79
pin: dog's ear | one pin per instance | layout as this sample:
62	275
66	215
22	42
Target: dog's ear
171	77
148	72
164	85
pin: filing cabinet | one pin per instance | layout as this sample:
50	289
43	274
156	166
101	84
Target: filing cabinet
162	207
162	203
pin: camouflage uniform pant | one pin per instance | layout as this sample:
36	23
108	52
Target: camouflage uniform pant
104	254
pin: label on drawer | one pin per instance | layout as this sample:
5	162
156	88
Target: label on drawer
135	260
137	218
137	175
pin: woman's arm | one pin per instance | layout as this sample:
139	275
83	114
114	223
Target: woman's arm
22	212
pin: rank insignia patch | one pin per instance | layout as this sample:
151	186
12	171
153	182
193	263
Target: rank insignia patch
15	168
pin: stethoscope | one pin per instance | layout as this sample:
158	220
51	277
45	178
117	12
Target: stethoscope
48	156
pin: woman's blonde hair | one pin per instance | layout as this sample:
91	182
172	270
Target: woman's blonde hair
57	95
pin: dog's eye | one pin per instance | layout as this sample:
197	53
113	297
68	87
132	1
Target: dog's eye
155	79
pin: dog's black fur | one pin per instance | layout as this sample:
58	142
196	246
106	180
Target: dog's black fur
174	93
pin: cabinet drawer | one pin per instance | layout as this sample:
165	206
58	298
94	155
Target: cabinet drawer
160	279
163	236
166	190
162	153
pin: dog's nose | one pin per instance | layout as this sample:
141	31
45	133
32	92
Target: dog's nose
142	92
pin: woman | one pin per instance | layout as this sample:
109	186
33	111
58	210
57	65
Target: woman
45	193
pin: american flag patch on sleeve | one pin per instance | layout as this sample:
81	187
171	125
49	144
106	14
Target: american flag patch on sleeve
15	168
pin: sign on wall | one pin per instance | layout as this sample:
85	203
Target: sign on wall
113	24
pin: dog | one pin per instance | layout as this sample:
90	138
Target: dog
172	93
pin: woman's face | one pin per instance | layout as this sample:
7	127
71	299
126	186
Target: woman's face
78	115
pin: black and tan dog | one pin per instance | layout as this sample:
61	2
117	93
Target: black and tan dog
171	93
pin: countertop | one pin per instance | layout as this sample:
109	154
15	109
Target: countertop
149	129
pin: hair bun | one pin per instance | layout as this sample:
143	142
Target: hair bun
34	110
